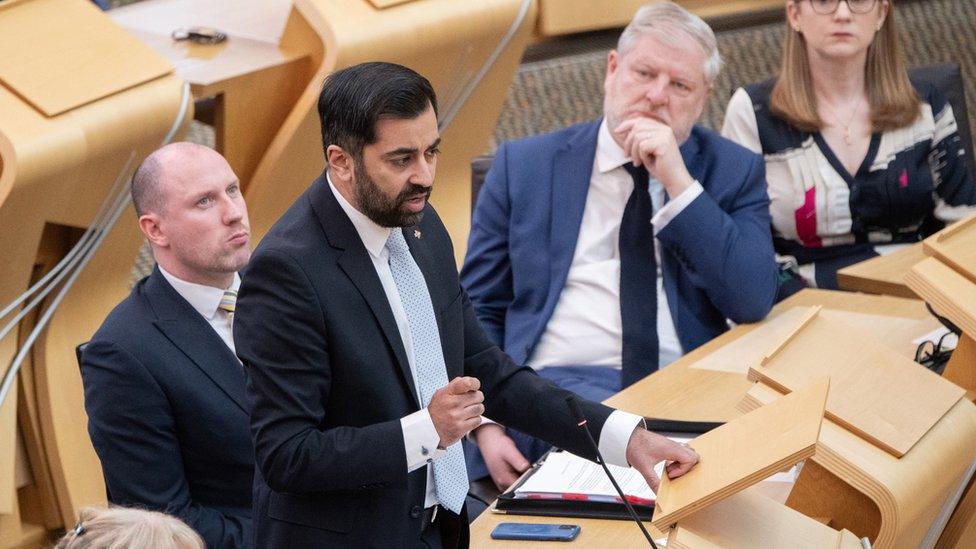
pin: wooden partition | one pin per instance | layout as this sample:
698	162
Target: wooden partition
947	281
853	483
560	17
80	99
449	42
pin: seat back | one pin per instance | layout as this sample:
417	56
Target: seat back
80	351
479	169
947	78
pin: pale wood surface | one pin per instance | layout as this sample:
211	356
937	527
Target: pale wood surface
961	368
956	246
446	41
8	457
948	288
951	294
750	519
884	274
255	74
745	451
558	17
56	171
681	391
884	397
387	3
904	496
961	529
39	38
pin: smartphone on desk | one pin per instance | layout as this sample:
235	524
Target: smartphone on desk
535	532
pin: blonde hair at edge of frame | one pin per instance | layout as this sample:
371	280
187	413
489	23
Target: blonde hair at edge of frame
894	102
667	22
123	528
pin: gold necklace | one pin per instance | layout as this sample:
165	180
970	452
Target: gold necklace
848	139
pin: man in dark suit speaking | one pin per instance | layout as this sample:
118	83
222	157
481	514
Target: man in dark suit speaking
163	389
365	362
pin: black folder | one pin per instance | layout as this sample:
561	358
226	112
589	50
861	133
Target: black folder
508	503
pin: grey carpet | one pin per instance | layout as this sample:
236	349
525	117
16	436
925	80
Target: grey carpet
559	91
561	83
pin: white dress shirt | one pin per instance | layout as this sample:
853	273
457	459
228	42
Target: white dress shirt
585	327
419	435
205	300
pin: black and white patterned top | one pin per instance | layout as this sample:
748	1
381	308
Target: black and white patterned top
912	181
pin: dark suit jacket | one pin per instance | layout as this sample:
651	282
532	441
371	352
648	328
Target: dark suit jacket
167	416
716	255
329	380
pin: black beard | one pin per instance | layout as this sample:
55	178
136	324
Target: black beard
377	206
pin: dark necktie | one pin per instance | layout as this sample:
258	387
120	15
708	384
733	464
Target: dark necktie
638	282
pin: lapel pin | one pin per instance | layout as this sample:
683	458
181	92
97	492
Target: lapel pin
416	234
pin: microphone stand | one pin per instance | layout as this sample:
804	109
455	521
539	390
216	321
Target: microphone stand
581	423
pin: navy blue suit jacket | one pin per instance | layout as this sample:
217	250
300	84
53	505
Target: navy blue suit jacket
167	415
329	380
716	255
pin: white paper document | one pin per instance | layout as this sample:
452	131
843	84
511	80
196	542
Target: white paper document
567	476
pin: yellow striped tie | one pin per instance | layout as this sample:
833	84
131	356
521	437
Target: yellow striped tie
228	303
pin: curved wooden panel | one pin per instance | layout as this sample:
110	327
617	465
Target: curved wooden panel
559	17
445	40
56	172
909	497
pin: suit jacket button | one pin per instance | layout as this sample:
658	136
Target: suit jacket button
415	512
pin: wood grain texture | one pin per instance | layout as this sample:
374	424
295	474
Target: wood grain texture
951	294
902	499
956	246
558	17
256	75
884	274
749	519
56	171
893	501
745	451
44	40
445	40
886	398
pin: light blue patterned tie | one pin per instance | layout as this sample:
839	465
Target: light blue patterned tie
450	477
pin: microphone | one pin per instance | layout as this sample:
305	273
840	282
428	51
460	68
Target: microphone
577	411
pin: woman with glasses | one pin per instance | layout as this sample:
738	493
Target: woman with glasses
859	159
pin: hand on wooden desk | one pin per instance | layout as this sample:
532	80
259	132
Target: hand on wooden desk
646	449
504	460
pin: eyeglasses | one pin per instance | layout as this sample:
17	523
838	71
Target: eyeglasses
827	7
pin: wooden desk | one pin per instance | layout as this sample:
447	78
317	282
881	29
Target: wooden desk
681	391
560	17
884	274
253	76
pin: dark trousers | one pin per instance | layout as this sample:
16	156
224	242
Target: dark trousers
448	531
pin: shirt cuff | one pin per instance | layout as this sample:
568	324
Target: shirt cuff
675	206
615	436
420	439
484	421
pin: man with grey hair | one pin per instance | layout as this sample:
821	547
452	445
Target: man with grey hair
164	390
603	251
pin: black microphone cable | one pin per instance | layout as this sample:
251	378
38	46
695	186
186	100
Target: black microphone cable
581	423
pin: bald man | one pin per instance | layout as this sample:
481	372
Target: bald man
164	390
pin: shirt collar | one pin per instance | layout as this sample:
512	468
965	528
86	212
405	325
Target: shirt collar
373	236
609	155
204	299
